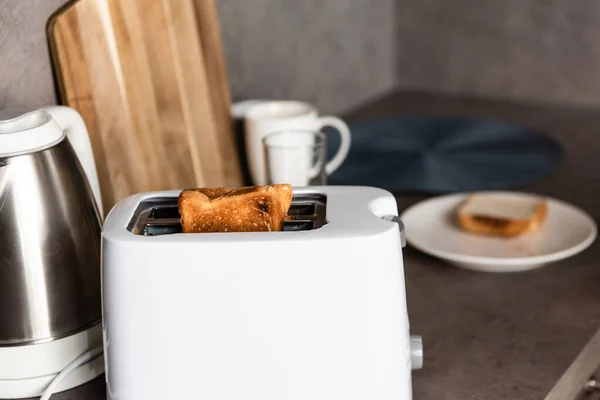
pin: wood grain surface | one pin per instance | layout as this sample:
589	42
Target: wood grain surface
153	93
219	90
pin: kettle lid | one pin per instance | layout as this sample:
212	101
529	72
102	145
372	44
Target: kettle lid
22	133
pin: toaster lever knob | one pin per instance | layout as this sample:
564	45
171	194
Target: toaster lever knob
416	351
396	219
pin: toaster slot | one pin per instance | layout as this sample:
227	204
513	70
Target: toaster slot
153	229
160	216
168	211
302	209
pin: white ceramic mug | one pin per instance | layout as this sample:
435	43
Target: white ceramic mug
272	116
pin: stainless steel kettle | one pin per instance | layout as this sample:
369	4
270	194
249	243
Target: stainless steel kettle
50	226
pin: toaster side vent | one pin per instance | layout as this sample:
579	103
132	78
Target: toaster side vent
160	215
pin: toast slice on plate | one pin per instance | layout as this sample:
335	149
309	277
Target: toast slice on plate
244	209
497	216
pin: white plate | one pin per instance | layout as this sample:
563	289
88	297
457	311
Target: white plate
431	227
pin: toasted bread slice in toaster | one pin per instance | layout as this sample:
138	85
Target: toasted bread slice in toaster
496	216
244	209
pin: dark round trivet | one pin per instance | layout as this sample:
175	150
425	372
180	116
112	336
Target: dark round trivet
444	154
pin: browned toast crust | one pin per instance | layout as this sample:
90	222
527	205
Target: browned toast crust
244	209
501	227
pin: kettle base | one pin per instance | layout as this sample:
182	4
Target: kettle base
35	366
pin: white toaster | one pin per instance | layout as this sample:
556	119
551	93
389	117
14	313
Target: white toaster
315	312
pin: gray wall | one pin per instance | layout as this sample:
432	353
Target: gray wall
25	75
547	50
341	53
337	53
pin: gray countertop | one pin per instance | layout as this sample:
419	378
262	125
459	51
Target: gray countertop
496	336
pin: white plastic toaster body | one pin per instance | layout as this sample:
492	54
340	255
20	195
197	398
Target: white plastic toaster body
315	312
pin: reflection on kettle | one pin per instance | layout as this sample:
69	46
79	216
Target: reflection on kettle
50	225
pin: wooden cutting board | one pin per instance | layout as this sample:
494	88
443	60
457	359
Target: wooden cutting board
149	79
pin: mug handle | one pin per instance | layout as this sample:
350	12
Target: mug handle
344	132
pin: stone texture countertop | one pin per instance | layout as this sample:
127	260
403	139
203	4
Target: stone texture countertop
496	336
